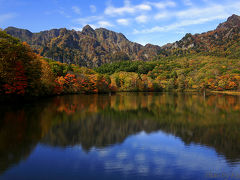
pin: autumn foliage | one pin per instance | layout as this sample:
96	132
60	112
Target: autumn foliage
24	73
19	67
19	83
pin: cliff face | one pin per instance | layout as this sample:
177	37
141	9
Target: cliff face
224	40
93	48
88	47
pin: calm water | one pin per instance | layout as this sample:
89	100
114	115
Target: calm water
123	136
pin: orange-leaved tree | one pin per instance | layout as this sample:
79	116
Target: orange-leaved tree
20	69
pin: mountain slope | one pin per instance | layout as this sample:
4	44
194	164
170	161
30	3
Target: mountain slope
88	47
223	41
92	48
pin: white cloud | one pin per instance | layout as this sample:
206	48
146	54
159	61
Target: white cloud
162	10
93	8
201	12
127	8
124	22
5	17
76	9
163	5
161	15
141	19
178	25
105	24
94	21
118	11
144	7
192	16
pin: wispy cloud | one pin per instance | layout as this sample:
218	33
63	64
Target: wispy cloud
105	24
156	13
93	8
192	16
163	5
201	12
127	8
76	9
122	21
144	7
5	17
88	20
178	25
161	15
141	19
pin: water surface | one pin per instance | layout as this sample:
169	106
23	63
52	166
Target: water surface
122	136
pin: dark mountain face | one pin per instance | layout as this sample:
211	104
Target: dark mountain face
232	22
93	48
88	47
223	41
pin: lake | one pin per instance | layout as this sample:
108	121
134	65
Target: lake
122	136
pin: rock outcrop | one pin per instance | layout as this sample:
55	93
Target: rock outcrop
88	47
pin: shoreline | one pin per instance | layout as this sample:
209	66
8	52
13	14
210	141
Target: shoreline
25	99
236	93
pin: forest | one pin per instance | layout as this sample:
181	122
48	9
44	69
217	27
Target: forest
25	73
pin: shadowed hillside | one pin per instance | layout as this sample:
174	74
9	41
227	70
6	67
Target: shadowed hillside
88	47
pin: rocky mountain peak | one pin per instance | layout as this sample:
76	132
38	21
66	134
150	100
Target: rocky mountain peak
232	21
88	47
89	31
233	18
19	32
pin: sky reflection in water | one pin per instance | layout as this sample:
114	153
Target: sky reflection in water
125	136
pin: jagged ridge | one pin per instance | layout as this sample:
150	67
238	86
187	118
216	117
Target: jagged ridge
223	41
88	47
93	48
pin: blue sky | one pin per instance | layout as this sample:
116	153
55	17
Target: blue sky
143	21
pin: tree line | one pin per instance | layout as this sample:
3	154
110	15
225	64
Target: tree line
25	73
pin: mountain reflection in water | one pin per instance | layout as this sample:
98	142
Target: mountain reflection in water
102	121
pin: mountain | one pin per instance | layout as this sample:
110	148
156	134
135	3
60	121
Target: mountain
223	41
92	48
88	47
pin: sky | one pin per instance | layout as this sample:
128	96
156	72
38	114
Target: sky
143	21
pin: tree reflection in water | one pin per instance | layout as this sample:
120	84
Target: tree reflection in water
103	120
